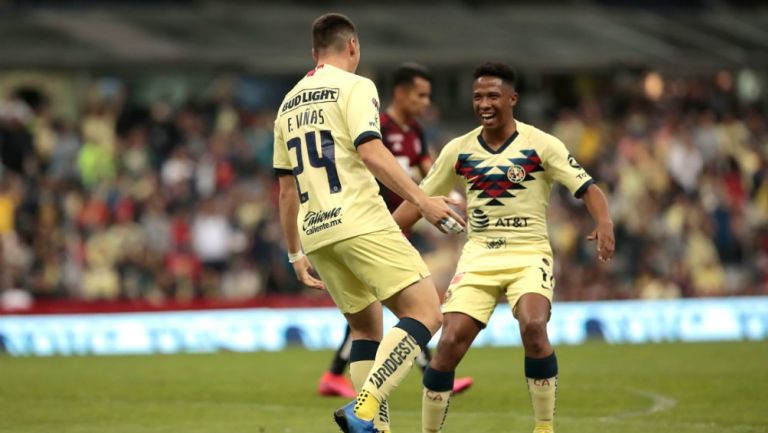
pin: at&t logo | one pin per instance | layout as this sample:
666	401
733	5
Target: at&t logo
479	221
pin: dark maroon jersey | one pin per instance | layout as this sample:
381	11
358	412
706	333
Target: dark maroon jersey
409	147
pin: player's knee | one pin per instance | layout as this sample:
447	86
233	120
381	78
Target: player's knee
437	322
534	333
453	344
432	318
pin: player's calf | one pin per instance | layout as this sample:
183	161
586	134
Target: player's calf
361	358
459	331
541	376
438	386
394	358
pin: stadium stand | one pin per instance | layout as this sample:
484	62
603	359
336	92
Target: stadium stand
155	185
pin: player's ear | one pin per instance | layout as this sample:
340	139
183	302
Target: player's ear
513	99
353	47
314	55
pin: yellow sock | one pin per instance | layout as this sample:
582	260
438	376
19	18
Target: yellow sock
359	370
394	360
543	393
434	408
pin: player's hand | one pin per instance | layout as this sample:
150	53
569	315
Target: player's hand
438	213
303	269
606	244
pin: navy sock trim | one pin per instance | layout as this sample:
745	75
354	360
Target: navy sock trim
416	329
541	368
439	381
363	350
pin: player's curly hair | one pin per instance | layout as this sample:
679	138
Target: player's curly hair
498	70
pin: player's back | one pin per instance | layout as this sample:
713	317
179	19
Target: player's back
319	125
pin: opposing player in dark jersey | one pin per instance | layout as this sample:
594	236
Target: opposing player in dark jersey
507	169
404	137
402	133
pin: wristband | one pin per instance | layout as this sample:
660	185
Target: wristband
295	257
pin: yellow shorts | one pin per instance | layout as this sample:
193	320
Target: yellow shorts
476	294
367	268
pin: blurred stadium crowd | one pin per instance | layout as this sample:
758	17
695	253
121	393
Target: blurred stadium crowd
178	201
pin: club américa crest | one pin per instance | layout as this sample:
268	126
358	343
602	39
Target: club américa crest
516	173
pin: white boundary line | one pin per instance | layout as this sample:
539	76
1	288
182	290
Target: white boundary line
659	403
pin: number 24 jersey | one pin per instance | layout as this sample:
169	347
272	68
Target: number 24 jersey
318	127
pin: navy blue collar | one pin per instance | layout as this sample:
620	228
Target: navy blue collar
502	147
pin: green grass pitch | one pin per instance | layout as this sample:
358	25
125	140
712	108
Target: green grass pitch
666	388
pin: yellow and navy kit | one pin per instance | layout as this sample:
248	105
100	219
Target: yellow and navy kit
318	127
507	194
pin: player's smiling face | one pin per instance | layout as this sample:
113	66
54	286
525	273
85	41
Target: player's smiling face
493	100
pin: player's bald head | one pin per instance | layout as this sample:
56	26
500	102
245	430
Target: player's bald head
331	32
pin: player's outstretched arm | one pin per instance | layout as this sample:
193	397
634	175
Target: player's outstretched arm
383	165
406	215
289	210
597	205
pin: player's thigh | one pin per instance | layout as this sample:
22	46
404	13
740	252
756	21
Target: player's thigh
384	261
537	280
349	293
474	294
419	301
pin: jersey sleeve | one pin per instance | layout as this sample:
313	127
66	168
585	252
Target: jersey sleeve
363	112
281	162
442	177
565	169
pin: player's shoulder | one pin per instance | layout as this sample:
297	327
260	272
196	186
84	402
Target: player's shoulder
357	89
466	140
535	135
285	104
350	79
305	92
461	143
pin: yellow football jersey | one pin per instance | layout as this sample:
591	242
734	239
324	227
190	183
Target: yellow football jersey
507	194
319	125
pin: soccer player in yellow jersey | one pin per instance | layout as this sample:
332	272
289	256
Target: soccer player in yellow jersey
404	136
327	151
507	169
